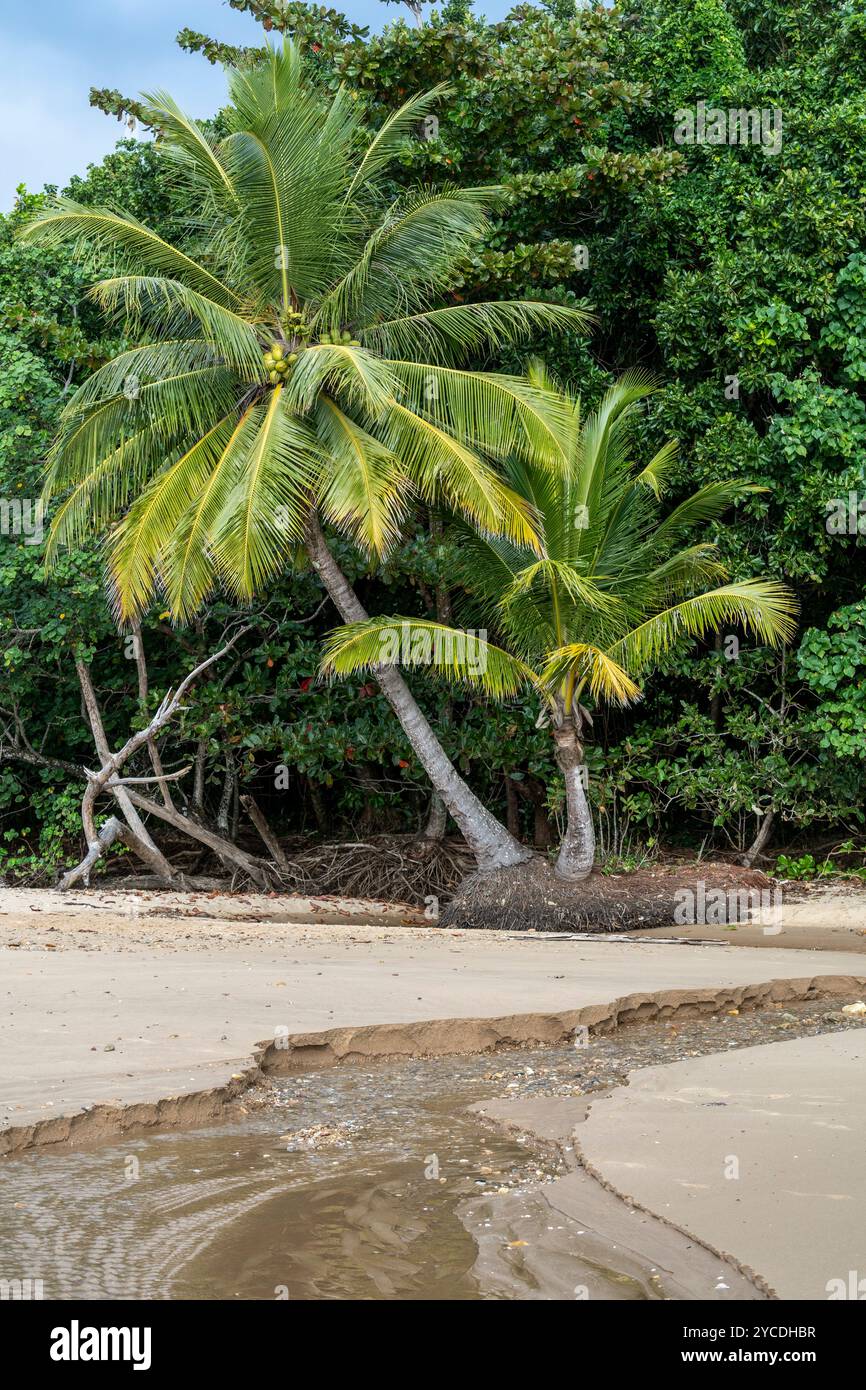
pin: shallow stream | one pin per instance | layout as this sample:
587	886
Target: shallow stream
345	1184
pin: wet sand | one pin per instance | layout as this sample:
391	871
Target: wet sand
450	1178
141	1016
822	917
759	1153
530	1243
128	1010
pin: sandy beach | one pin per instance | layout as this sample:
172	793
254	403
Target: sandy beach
129	1013
119	1000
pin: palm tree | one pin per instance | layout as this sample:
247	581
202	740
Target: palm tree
291	366
615	586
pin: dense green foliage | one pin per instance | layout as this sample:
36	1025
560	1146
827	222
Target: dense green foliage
736	274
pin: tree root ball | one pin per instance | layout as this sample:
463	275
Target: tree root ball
385	868
531	897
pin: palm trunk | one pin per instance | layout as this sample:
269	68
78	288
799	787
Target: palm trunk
488	839
577	851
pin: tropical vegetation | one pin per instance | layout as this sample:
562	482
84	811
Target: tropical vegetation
733	275
613	589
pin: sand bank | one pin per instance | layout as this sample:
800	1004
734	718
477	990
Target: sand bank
758	1153
121	1012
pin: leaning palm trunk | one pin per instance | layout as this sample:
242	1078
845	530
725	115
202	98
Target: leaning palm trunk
493	846
577	851
328	376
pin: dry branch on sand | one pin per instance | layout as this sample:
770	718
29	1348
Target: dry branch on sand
393	868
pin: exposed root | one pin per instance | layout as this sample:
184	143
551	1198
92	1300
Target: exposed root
385	868
531	896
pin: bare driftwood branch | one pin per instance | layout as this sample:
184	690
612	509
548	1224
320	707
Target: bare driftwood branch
143	690
145	781
757	846
107	779
256	868
95	784
112	830
16	753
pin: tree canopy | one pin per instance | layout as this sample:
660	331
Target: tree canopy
735	275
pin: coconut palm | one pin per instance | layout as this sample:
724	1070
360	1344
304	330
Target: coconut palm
293	364
616	585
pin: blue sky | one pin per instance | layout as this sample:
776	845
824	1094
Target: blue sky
55	51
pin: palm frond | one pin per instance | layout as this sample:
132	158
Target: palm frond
290	157
551	575
264	515
763	607
444	469
465	657
392	133
413	251
358	378
685	569
188	564
171	309
363	489
146	426
95	500
450	335
102	232
501	415
582	664
136	366
654	475
137	544
192	148
708	503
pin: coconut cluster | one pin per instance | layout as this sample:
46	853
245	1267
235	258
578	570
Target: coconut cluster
277	362
296	325
343	339
279	358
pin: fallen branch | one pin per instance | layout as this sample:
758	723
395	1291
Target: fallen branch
145	781
153	856
15	753
102	842
256	868
143	691
112	830
757	846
